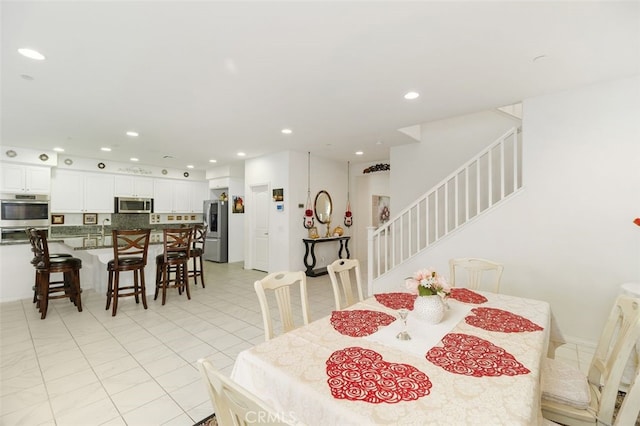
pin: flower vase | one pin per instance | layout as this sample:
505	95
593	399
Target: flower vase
429	309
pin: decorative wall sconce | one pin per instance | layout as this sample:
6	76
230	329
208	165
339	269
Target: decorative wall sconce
348	219
307	220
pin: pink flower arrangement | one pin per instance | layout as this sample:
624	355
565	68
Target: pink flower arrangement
427	282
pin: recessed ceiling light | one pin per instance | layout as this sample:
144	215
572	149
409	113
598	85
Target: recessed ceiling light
133	159
287	131
57	149
411	95
32	54
379	143
132	133
241	154
359	153
189	166
105	149
213	161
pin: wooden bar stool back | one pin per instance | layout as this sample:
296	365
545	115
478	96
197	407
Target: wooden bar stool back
130	248
45	266
197	252
172	264
54	286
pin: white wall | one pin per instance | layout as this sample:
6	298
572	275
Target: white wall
366	186
288	170
568	237
445	146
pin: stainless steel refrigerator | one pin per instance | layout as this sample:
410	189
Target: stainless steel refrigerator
216	214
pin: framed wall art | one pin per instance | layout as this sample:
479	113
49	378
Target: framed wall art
380	210
238	204
57	219
90	218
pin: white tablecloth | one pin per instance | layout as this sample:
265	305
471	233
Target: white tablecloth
290	374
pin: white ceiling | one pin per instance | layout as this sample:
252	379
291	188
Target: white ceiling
202	80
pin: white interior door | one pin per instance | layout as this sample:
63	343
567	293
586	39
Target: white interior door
260	227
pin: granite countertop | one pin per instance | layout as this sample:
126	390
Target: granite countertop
94	242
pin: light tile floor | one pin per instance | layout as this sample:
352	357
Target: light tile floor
139	367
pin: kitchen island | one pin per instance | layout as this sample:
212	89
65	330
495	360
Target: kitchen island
17	274
96	251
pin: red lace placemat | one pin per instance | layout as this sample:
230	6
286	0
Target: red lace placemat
473	356
467	296
359	374
396	300
359	322
493	319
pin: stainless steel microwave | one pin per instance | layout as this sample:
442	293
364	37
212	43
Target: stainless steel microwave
133	205
24	210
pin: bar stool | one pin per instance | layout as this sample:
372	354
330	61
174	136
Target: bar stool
130	249
174	260
45	266
54	286
196	253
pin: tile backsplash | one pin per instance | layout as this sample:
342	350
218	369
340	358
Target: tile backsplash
127	221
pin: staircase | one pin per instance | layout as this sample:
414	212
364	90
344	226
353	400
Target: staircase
492	176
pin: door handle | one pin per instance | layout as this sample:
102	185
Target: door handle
266	233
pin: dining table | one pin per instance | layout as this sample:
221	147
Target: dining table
479	366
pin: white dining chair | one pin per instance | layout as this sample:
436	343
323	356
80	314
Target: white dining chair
475	269
280	283
341	273
629	411
233	405
568	397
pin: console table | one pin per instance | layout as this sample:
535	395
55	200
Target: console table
309	246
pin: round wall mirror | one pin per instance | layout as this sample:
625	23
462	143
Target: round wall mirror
323	207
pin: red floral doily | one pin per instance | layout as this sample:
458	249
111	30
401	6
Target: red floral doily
396	300
359	322
359	374
493	319
473	356
467	296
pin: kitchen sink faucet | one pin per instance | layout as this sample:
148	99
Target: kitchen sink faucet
102	230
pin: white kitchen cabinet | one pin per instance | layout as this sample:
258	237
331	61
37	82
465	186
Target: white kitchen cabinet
199	193
81	192
175	196
133	186
25	179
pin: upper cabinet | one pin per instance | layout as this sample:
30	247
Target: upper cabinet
80	192
25	179
199	193
174	196
133	186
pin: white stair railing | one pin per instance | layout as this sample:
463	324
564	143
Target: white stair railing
487	179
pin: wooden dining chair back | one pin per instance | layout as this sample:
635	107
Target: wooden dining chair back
197	253
568	397
343	274
280	283
46	265
481	273
172	264
234	405
130	248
